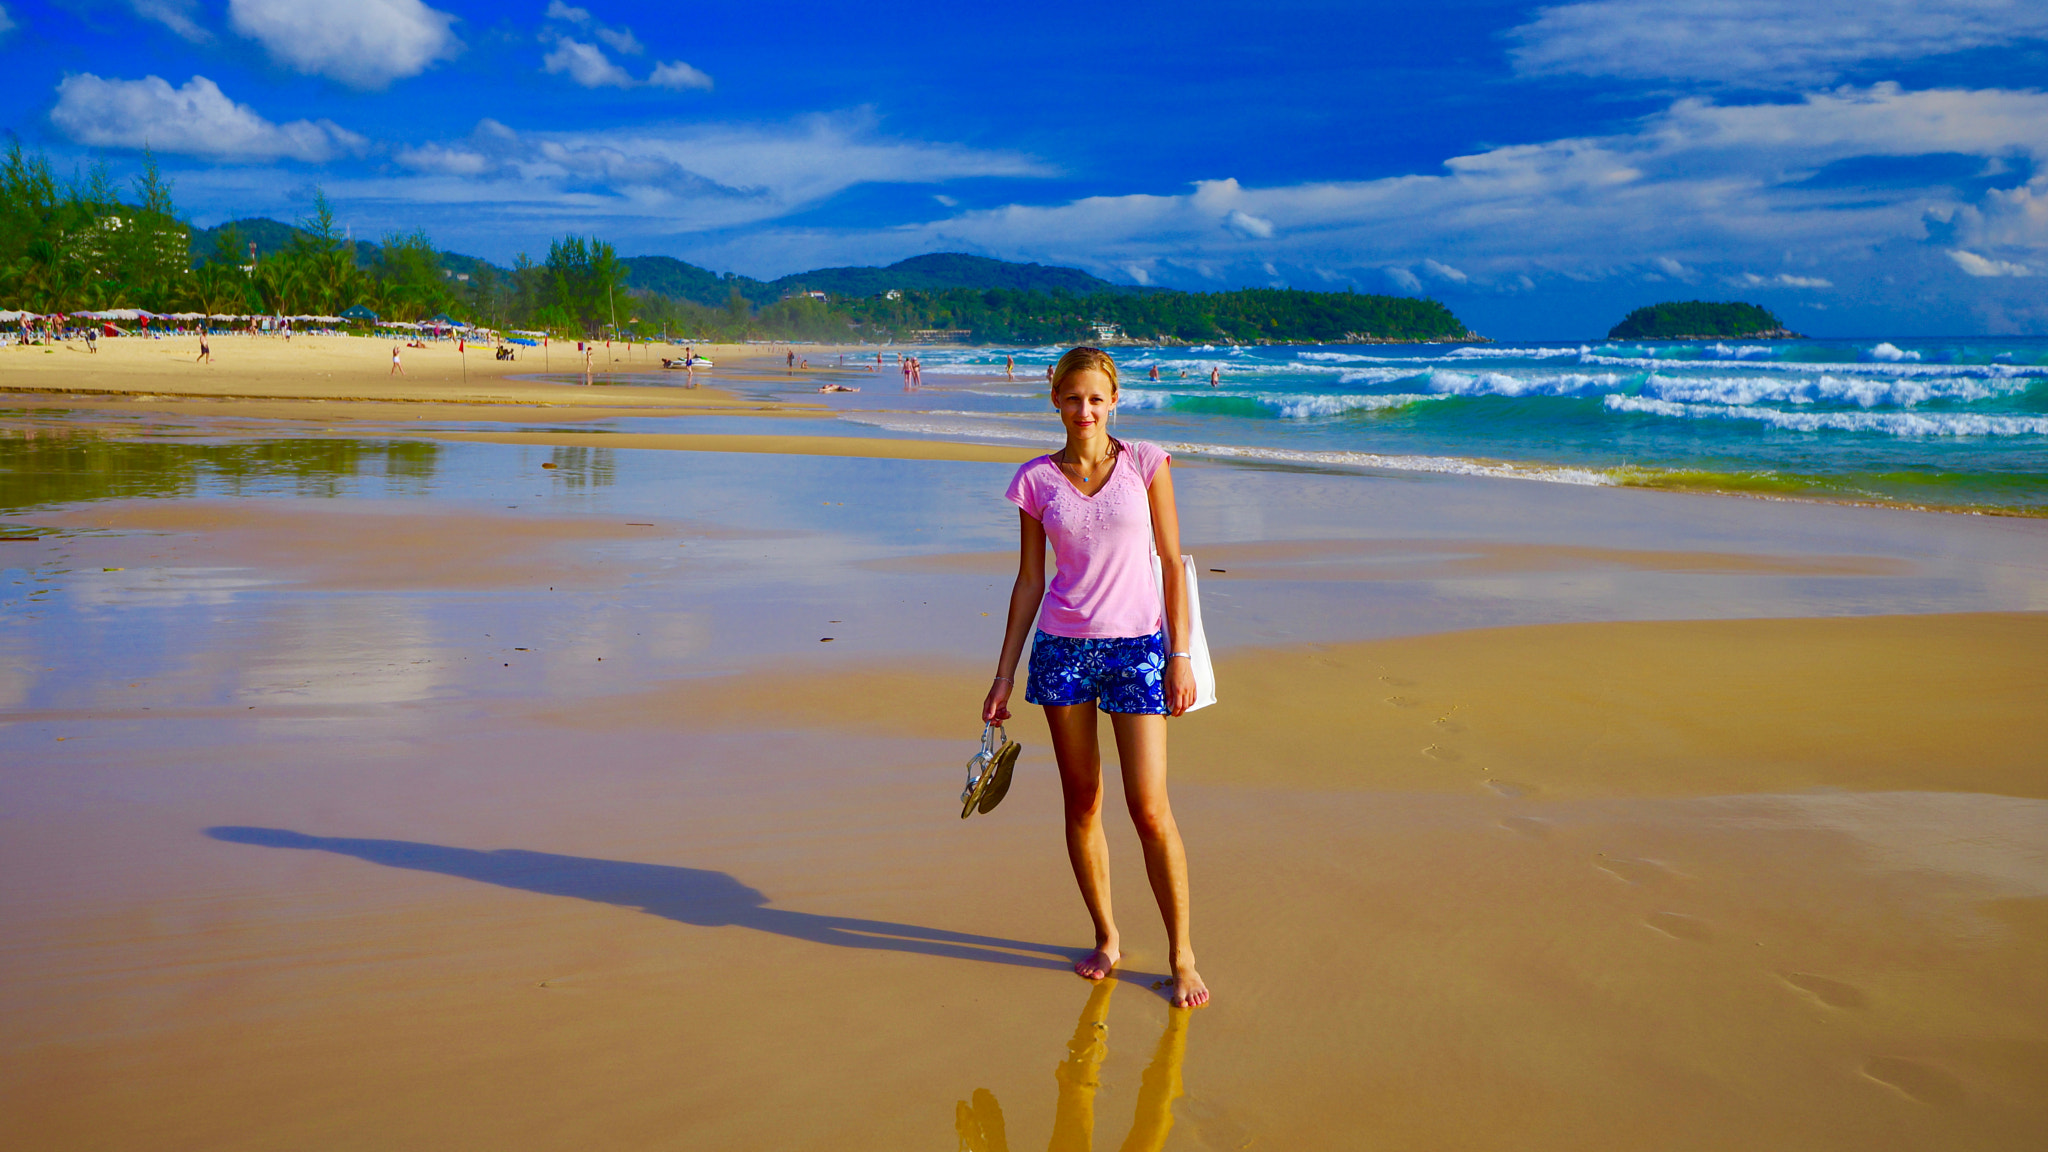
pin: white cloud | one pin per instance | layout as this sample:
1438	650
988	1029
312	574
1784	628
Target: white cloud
622	40
362	43
1760	41
6	22
672	179
1781	280
1247	225
173	14
1445	272
444	161
948	201
676	74
196	120
1404	279
1673	268
1977	265
586	64
1701	183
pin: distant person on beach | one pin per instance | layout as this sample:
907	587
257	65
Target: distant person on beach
1107	638
1010	367
589	353
1155	372
397	369
205	350
789	361
1215	375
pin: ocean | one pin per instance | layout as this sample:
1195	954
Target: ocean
1958	424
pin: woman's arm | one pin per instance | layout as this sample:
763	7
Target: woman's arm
1180	673
1025	596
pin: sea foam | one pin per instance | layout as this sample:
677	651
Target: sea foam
1889	423
1864	392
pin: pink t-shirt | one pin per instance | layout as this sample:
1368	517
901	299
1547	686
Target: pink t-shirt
1104	586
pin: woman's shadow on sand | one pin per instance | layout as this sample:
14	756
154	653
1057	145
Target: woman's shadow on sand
695	896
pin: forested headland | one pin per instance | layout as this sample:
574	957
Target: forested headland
1701	320
88	244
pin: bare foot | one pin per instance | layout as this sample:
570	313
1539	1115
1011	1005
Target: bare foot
1099	963
1188	989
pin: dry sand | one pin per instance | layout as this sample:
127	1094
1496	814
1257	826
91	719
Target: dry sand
1726	884
268	377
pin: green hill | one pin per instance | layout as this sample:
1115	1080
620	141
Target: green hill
272	237
677	280
940	271
1701	320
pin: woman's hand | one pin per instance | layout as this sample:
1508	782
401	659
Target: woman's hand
1180	685
996	707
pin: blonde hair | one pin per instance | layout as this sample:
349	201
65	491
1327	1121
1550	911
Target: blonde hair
1084	360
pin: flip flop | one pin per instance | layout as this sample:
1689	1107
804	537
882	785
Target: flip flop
999	772
978	772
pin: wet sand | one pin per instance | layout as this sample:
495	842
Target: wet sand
534	809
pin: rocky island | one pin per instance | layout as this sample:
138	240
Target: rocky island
1702	320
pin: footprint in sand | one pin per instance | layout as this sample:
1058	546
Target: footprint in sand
1830	992
1634	871
1396	682
1922	1082
1439	752
1211	1126
1679	926
1404	702
1448	725
1510	790
1527	826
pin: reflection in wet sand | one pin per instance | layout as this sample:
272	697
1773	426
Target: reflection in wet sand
980	1122
44	467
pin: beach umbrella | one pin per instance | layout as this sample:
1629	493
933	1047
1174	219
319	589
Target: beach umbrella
359	313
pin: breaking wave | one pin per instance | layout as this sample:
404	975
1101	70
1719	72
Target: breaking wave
1889	423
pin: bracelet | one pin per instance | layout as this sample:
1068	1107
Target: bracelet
1182	655
1006	679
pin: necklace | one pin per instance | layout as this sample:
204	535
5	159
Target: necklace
1077	467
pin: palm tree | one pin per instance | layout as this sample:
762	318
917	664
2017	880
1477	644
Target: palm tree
219	290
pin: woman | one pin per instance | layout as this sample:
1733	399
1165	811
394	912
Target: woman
1105	505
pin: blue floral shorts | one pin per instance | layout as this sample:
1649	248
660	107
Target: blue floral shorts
1126	673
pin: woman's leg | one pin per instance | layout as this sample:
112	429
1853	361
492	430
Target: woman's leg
1075	747
1141	746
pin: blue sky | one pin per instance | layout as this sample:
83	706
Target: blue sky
1862	167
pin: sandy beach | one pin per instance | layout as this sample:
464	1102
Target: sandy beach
515	764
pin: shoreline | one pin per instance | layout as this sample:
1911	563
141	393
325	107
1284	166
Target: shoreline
338	381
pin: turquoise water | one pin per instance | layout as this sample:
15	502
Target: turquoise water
1951	423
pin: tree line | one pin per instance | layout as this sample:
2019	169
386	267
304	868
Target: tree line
87	244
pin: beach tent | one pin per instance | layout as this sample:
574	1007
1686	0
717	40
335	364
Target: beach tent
359	313
15	317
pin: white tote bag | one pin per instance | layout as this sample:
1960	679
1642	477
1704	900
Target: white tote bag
1198	642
